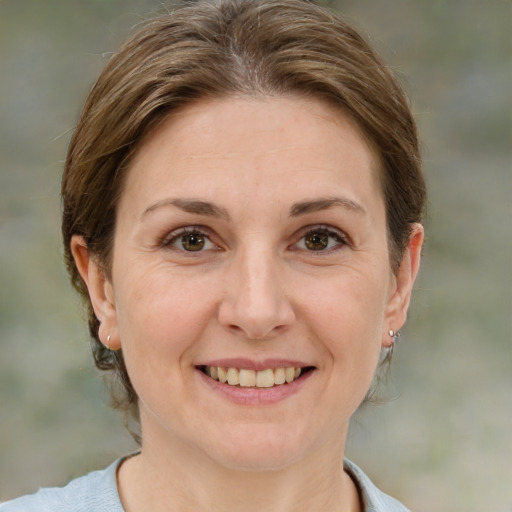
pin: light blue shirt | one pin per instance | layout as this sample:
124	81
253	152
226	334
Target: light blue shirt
97	492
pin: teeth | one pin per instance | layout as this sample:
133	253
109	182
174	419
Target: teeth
221	373
233	377
279	376
247	378
265	378
289	374
250	378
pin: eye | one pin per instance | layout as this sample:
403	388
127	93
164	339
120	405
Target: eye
321	239
189	240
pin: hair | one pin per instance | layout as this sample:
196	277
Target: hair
216	49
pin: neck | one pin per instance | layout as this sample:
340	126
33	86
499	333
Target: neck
177	478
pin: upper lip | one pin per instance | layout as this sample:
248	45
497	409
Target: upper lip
251	364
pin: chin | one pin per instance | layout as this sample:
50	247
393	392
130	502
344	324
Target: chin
259	448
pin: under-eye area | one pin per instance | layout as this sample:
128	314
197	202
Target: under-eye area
245	378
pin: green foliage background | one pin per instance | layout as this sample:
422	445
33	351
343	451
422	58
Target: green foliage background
445	443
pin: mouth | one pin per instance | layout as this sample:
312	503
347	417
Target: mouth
247	378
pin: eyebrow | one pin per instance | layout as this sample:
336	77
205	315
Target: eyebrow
325	203
190	206
211	210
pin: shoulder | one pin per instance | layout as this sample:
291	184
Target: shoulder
373	499
95	492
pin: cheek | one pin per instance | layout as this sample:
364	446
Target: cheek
347	302
346	315
162	315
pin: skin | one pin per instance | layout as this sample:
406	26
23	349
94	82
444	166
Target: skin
268	169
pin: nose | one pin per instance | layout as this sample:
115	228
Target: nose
255	303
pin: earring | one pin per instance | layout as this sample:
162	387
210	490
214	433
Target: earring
108	341
394	334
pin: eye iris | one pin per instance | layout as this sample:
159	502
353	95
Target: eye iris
317	241
193	242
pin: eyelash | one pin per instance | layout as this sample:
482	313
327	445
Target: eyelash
326	235
175	236
339	237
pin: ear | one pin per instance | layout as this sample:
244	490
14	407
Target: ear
100	290
400	292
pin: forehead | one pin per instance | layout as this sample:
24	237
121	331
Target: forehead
250	141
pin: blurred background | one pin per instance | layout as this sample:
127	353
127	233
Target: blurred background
443	440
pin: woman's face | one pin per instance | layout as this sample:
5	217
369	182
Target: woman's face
251	237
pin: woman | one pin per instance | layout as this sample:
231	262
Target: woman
242	201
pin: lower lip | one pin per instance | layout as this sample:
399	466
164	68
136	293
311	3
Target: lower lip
256	396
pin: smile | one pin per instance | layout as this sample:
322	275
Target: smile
245	378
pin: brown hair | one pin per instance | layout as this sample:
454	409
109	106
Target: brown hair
216	49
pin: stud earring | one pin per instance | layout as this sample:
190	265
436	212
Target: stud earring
394	334
108	341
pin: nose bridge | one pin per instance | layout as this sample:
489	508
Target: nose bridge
256	301
259	286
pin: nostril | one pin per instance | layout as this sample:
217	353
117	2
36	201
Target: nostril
235	328
256	332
